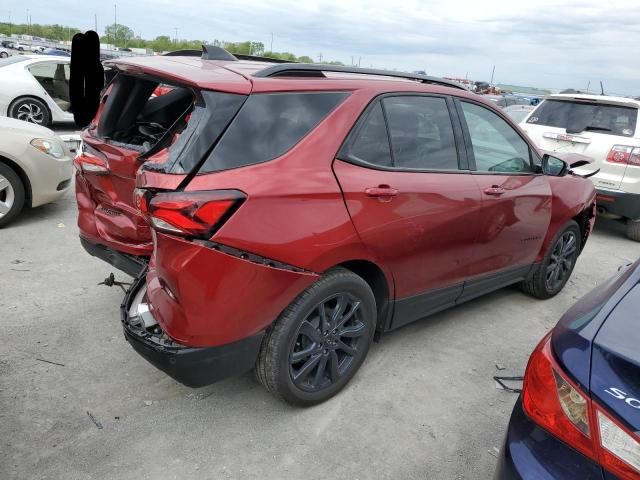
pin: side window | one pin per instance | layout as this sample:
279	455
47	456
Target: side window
497	147
421	133
43	70
268	125
372	142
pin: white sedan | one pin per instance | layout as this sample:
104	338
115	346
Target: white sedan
36	167
35	88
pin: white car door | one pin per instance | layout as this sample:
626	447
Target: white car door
52	80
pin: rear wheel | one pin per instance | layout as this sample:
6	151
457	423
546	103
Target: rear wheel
553	273
4	54
11	194
30	109
633	230
319	342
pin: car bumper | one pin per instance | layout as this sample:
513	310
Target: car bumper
207	295
624	204
530	452
129	264
193	367
49	178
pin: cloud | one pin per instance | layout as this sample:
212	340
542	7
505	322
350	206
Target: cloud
546	43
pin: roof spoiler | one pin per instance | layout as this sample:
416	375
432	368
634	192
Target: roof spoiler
315	70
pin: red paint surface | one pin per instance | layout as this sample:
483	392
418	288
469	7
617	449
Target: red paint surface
308	210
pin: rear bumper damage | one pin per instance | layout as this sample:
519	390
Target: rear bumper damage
191	366
129	264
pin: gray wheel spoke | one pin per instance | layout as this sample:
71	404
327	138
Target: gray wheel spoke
337	311
306	369
4	208
333	366
352	332
349	315
324	320
4	184
302	354
310	332
340	345
322	368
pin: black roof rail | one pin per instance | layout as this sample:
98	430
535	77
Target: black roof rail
183	53
315	70
254	58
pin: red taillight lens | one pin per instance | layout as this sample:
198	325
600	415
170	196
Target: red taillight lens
558	405
197	214
624	155
553	402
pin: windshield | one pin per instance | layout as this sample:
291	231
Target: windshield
578	117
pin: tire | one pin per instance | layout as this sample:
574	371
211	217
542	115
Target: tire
562	249
11	195
295	343
633	230
31	109
4	54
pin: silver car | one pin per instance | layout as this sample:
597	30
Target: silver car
36	167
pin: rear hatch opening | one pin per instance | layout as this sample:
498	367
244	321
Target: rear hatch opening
142	113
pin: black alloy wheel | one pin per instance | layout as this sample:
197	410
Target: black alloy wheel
562	259
320	340
328	342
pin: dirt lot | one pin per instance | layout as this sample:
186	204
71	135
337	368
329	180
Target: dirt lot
424	405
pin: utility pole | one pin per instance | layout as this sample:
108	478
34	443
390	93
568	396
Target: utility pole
492	73
28	23
9	23
175	39
271	47
359	61
95	20
352	60
588	85
320	58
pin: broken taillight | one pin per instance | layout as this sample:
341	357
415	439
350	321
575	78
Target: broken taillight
192	214
558	405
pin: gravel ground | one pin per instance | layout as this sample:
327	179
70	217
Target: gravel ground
423	406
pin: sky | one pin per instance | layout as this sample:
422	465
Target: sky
542	43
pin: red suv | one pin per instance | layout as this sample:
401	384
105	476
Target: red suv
292	211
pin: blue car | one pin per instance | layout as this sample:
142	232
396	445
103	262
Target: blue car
578	416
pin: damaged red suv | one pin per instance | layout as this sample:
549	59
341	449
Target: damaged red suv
290	212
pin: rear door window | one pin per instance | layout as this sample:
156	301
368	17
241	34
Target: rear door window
268	125
577	117
371	143
421	133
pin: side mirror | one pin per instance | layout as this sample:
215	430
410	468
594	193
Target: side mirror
554	166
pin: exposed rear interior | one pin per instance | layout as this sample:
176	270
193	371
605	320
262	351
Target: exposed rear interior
54	78
138	114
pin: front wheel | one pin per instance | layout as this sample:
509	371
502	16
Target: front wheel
4	54
553	273
319	342
12	195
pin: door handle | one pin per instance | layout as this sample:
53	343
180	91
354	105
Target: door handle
381	191
494	190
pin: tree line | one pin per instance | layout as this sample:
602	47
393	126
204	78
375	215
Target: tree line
123	36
